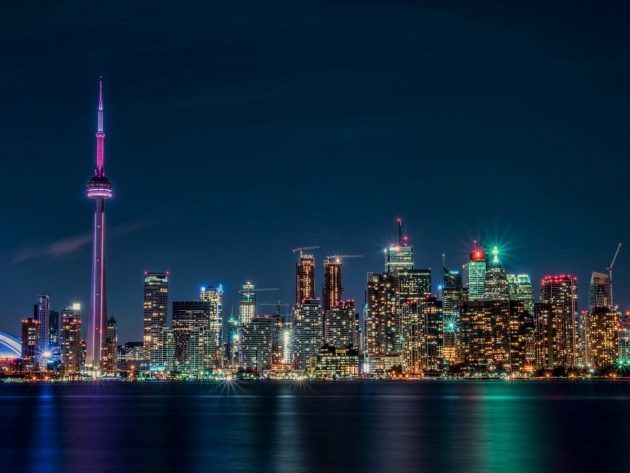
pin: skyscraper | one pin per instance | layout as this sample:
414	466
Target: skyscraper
53	328
305	278
109	358
99	188
190	331
155	311
31	332
496	284
340	324
602	336
521	289
382	316
598	291
307	332
557	322
71	338
474	275
247	303
399	255
42	313
214	295
257	343
332	282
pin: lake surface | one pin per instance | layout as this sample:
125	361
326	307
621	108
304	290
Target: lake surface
370	426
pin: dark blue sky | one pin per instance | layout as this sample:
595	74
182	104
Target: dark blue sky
238	130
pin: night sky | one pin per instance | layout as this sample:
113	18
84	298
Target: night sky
239	130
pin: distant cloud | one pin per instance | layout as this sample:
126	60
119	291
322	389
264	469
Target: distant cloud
69	245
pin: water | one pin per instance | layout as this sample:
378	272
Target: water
428	426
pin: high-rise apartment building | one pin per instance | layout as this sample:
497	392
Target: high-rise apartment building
413	284
305	278
71	338
382	315
53	328
332	283
155	311
257	344
190	316
31	333
602	337
556	322
340	325
452	300
307	333
522	339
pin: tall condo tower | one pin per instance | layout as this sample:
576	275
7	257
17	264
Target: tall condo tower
99	188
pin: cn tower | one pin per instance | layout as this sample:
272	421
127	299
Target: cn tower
99	188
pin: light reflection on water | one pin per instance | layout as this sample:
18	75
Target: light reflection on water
362	426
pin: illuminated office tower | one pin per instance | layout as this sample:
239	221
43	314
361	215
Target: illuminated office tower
521	289
414	284
452	299
53	326
282	342
340	324
598	292
332	283
382	315
556	322
624	339
305	278
496	286
399	255
109	356
247	303
522	339
474	275
71	338
602	328
431	312
474	335
42	313
99	188
307	333
31	333
189	316
258	343
413	328
155	311
214	295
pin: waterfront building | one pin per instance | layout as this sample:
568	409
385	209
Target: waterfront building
307	333
521	289
155	311
413	328
100	189
382	315
337	363
556	322
165	349
71	338
602	337
339	325
522	339
257	343
305	278
189	316
452	299
31	333
431	310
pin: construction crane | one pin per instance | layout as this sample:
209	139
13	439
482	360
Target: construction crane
610	281
278	304
305	248
340	258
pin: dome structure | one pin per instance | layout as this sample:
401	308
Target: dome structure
10	347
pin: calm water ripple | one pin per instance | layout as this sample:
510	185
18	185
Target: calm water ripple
446	426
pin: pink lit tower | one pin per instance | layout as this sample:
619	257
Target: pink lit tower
99	188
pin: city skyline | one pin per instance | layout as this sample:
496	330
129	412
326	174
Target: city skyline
476	148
